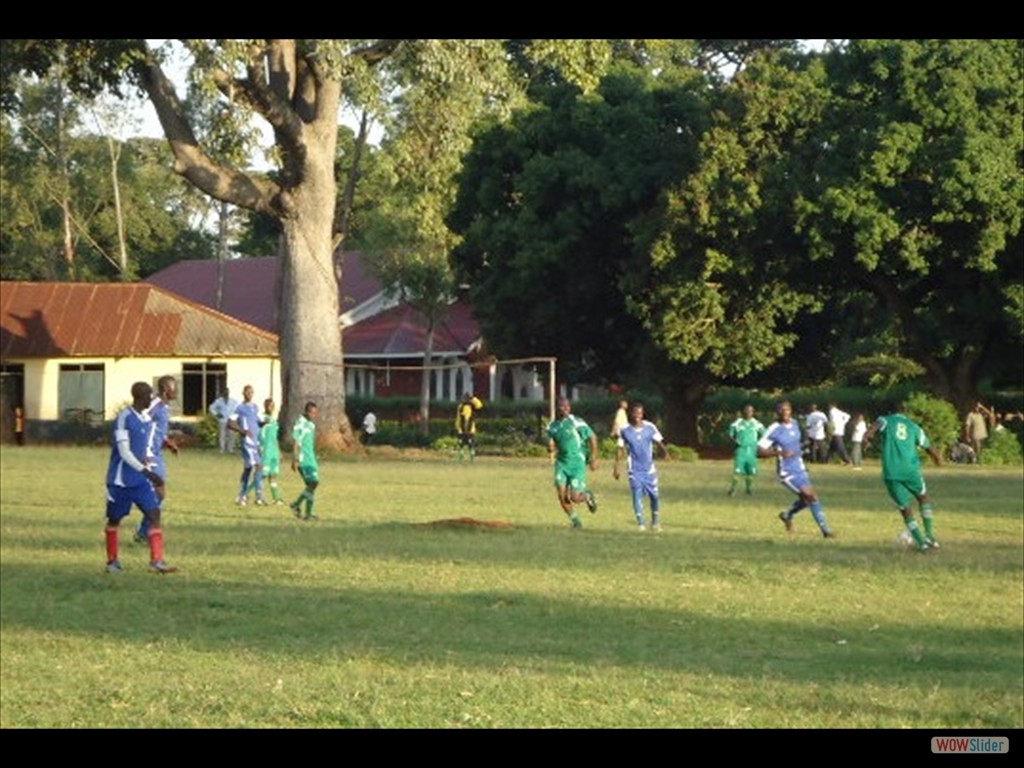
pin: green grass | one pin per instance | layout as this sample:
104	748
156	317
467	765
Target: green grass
366	619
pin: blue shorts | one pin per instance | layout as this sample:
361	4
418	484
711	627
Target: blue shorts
795	481
121	499
251	455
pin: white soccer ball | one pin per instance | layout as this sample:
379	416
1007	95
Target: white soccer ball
905	539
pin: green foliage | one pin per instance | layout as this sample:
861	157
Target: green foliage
1003	448
938	419
208	431
682	453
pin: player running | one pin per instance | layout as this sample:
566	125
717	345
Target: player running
573	446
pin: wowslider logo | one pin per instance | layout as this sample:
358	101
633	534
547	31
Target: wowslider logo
974	745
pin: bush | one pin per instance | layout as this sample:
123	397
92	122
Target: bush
208	431
1002	449
936	417
681	453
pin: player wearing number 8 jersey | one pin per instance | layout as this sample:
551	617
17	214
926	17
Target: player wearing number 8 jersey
901	472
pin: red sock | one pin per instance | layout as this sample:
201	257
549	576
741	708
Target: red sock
156	545
111	534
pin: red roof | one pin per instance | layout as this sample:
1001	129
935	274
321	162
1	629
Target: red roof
400	332
250	290
117	320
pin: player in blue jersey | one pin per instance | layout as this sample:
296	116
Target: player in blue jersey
637	441
782	440
246	421
130	482
160	412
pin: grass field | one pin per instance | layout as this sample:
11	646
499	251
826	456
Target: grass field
369	619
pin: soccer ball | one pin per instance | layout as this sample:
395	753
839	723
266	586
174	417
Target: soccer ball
905	539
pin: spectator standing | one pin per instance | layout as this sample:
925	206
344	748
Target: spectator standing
860	427
976	430
816	422
838	419
222	409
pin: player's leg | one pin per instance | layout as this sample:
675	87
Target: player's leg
749	472
810	497
119	504
636	492
257	473
924	503
654	497
736	471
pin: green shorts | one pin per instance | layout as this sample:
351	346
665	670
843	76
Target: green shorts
745	462
310	474
904	491
573	476
272	467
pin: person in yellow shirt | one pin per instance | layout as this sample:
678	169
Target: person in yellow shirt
465	425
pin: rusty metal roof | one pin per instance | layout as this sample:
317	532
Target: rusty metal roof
118	320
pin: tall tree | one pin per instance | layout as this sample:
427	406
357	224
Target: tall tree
296	87
916	195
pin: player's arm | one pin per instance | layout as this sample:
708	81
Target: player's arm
125	452
872	431
766	447
662	451
171	445
936	456
593	450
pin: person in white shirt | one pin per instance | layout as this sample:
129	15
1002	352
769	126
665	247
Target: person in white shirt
860	426
838	419
816	421
222	409
369	427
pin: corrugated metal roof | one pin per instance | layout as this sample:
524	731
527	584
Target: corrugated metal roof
250	289
118	320
400	332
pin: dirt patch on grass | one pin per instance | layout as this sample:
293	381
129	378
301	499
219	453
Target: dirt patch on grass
468	523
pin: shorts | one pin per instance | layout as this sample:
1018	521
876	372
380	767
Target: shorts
251	455
745	462
904	491
121	499
573	477
310	474
467	438
272	467
795	481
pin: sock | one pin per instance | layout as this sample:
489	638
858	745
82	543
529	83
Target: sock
915	531
309	503
111	536
797	506
156	545
819	515
274	490
655	513
732	485
750	484
244	490
929	523
259	485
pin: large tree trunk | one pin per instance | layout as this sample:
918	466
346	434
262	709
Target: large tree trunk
310	333
683	390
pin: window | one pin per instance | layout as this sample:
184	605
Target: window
200	385
80	392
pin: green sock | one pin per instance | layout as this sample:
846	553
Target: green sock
915	531
750	484
275	491
929	523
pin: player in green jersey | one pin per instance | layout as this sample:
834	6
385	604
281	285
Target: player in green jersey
901	472
270	450
304	460
745	432
572	444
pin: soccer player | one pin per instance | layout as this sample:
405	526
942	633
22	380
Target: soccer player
304	460
901	472
638	439
245	420
131	482
573	446
160	412
745	432
465	424
270	450
783	441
